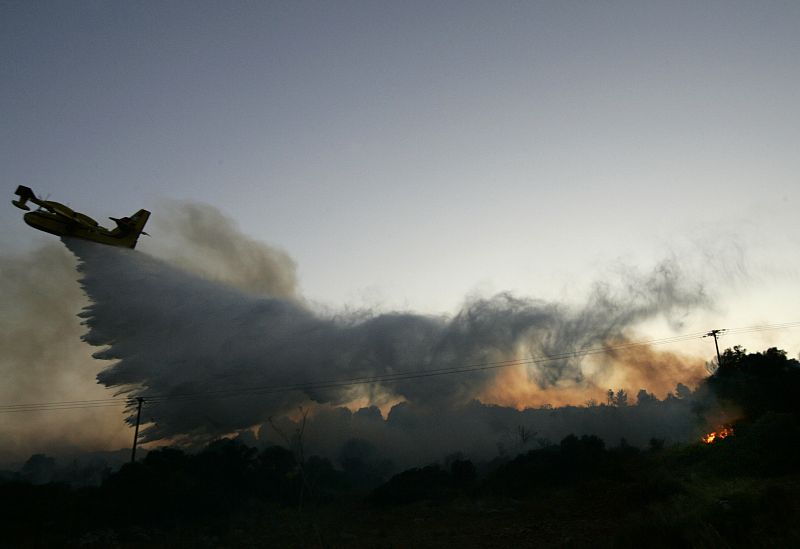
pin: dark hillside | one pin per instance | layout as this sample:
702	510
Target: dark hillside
739	491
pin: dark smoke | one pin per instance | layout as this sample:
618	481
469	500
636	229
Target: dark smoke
172	332
222	311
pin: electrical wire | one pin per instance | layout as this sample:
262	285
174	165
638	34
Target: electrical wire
394	377
408	375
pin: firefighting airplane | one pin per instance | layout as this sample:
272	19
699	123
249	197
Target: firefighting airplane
55	218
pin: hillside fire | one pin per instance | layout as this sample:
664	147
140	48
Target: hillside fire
719	434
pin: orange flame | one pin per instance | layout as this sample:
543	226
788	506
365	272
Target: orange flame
719	434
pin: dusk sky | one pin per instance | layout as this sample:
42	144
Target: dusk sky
410	154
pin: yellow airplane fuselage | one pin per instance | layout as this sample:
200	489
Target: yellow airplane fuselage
60	220
57	225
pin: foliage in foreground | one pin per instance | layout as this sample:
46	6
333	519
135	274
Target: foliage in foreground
740	491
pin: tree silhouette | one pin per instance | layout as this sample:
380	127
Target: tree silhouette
757	382
645	398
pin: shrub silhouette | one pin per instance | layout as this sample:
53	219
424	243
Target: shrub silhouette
426	483
757	382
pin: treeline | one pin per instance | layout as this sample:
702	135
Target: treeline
207	494
676	492
168	489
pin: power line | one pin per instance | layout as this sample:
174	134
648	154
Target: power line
69	402
48	407
762	328
408	375
370	379
401	376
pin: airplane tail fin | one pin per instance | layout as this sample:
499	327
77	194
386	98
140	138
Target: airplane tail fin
140	220
24	193
132	227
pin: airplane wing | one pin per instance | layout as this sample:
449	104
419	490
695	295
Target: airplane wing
26	194
68	214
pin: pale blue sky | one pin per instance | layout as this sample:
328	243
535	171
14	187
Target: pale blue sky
409	153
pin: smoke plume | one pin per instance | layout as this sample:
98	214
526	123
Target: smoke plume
43	359
171	332
211	321
205	242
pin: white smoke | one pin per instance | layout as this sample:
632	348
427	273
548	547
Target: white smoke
201	239
44	360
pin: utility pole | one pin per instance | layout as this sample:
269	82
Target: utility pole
136	431
714	334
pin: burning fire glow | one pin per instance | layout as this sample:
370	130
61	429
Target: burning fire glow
719	434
